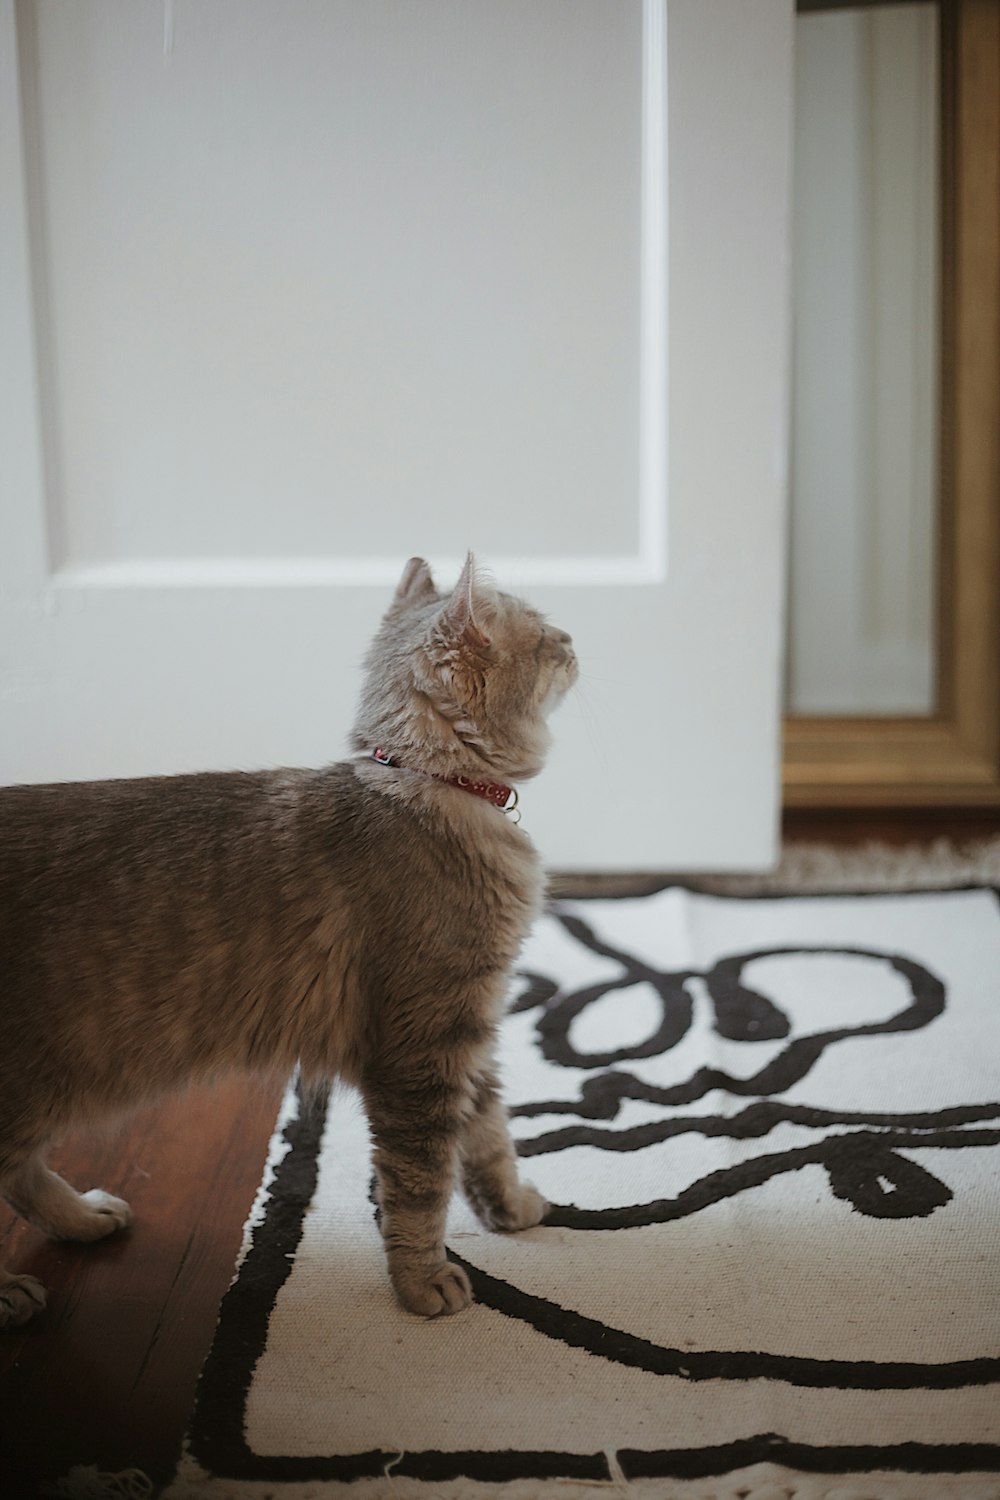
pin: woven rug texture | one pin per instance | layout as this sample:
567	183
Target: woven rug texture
769	1129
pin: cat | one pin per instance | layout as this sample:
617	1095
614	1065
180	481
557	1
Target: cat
360	921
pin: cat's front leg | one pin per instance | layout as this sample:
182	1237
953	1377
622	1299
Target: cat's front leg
415	1133
489	1165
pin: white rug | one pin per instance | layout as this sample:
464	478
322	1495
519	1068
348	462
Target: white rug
771	1130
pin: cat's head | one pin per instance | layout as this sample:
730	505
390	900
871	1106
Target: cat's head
462	682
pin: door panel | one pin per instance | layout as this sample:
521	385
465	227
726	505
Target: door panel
292	293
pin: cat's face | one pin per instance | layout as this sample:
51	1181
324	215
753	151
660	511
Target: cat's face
466	676
528	665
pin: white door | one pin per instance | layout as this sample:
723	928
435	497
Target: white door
291	292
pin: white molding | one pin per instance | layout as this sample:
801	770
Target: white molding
653	331
349	572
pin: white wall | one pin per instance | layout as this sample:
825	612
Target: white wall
864	439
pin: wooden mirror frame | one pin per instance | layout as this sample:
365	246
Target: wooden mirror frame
950	758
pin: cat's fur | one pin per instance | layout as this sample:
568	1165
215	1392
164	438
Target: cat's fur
361	920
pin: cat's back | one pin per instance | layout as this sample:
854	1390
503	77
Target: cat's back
156	929
82	830
223	895
85	865
81	858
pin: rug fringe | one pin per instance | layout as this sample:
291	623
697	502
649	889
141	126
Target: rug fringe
760	1482
814	867
87	1482
870	866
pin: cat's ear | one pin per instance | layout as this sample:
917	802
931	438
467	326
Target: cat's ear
416	585
459	617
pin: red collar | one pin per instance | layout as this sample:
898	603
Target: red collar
501	796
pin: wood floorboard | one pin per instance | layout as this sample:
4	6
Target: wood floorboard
106	1376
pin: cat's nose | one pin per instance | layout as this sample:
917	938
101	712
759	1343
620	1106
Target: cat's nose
568	654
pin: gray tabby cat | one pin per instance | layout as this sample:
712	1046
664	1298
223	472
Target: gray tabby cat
361	920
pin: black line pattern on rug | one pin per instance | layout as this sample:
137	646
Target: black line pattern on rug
217	1438
864	1167
771	1447
215	1435
578	1331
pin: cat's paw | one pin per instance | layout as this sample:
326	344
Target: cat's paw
522	1209
100	1215
445	1290
21	1297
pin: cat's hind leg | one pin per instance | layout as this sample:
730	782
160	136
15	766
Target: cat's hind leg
490	1179
20	1298
45	1200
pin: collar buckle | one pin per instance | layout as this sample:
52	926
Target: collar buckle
503	798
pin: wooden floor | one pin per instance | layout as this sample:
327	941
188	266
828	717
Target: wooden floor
106	1376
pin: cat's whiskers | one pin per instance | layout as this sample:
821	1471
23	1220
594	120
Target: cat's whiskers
588	718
